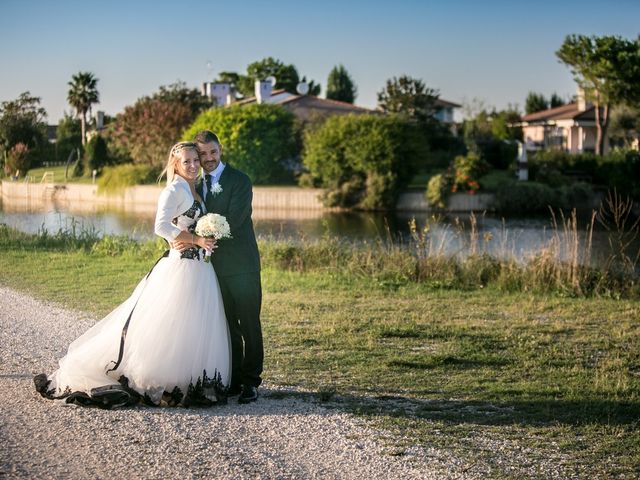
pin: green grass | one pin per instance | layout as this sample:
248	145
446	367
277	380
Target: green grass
58	175
547	377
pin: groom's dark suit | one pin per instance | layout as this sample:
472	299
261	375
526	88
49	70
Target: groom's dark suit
237	265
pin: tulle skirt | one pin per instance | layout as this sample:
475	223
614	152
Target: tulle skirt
169	336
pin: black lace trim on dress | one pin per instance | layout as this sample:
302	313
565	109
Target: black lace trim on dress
194	211
206	392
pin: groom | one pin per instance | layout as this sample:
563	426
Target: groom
227	191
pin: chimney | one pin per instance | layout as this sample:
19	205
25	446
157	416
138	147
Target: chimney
263	90
99	120
218	92
582	100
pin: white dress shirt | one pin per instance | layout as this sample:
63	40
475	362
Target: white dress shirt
215	177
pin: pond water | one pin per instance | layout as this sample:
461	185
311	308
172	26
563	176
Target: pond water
516	238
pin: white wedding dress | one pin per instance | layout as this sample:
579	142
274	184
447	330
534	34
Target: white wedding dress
167	343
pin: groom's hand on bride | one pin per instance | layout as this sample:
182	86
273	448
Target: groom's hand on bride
207	243
181	246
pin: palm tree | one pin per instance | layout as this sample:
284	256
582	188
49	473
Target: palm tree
82	94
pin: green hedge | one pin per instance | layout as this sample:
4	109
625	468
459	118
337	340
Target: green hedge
258	139
362	160
114	179
619	169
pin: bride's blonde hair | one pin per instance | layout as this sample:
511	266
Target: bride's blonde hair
174	157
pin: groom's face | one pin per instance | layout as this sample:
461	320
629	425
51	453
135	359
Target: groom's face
209	155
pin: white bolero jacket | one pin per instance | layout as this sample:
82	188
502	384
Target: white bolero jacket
175	199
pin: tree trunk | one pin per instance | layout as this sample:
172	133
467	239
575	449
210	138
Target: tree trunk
83	126
605	127
596	105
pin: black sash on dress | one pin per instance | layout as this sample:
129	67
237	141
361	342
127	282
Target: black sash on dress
126	324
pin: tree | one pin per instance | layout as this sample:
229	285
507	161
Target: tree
258	139
286	77
233	79
146	130
68	137
607	68
556	101
535	102
18	160
362	161
22	121
625	125
179	93
82	94
340	85
408	97
96	156
489	134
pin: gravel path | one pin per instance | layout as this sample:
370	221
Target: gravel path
273	438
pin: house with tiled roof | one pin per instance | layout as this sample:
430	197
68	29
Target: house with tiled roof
307	107
571	128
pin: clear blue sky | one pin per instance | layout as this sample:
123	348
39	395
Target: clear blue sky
495	51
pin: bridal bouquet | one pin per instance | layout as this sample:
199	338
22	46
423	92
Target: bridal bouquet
215	226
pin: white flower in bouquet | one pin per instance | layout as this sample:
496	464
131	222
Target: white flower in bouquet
215	226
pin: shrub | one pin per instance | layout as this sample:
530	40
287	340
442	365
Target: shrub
258	139
526	197
146	130
95	154
578	195
438	189
361	160
117	178
619	169
18	159
467	171
68	137
495	180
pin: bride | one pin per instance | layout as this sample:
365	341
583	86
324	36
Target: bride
168	343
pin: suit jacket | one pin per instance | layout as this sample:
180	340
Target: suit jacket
239	254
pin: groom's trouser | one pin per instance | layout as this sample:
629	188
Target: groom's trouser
242	297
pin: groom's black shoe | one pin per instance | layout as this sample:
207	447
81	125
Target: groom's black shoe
234	390
249	394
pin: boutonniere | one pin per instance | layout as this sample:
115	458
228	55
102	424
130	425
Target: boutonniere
216	188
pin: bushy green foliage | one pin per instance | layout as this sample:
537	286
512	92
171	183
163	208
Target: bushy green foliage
117	178
408	97
68	137
258	139
340	85
23	121
490	135
526	197
495	180
18	160
146	130
438	189
620	169
286	77
96	156
467	169
361	160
